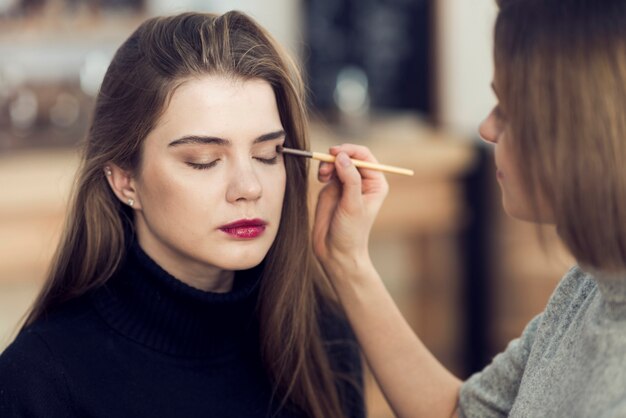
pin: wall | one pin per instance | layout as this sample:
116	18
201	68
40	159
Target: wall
464	63
280	17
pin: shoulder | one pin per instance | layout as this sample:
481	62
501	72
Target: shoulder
574	288
27	351
34	343
568	304
575	282
493	391
32	381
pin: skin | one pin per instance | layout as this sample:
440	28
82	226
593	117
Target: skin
414	382
186	189
494	130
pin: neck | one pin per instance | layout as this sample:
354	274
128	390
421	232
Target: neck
223	283
150	306
208	280
191	272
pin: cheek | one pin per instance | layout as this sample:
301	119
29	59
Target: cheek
278	186
274	192
166	192
157	184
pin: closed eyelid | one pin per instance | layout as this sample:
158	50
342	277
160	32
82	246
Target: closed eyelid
203	153
266	149
269	160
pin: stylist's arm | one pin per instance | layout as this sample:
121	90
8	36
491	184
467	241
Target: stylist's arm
413	381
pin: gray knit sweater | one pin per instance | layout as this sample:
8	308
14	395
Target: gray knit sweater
569	362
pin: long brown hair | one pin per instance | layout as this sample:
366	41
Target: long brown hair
146	69
560	68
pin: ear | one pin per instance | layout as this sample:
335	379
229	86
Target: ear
123	185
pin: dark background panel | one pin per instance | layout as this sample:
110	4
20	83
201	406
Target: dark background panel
389	40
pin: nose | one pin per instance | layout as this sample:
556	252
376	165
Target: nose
489	129
244	184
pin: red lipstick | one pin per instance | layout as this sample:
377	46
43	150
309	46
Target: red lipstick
244	228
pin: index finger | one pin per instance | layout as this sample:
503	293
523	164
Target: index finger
359	152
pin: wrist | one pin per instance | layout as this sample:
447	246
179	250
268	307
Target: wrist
351	270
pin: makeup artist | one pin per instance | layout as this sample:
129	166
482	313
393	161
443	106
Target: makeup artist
182	285
559	133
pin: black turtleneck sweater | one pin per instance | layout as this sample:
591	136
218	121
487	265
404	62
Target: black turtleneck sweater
148	345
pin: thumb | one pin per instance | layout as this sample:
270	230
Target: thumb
350	179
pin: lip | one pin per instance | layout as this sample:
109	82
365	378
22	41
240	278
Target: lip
499	174
245	228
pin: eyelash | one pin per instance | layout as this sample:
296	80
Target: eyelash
196	166
270	161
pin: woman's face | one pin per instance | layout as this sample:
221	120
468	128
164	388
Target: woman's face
495	130
210	189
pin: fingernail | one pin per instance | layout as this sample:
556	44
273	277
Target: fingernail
343	160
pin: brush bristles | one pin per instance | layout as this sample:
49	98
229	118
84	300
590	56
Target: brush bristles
301	153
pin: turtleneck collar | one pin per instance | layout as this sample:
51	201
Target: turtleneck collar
151	307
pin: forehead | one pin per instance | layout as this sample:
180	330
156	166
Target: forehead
228	108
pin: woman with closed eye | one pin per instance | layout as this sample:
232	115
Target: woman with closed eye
182	285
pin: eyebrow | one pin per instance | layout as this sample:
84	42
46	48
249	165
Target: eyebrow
214	140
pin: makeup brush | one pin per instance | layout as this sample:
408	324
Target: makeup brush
331	159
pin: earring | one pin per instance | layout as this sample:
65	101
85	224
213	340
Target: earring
131	202
107	171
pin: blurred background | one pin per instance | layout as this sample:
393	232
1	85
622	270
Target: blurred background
408	78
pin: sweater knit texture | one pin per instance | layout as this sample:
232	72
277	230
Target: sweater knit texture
570	361
147	345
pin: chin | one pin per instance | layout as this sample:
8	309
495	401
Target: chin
238	265
240	261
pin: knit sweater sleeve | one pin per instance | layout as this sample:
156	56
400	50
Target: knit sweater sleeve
32	383
491	392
